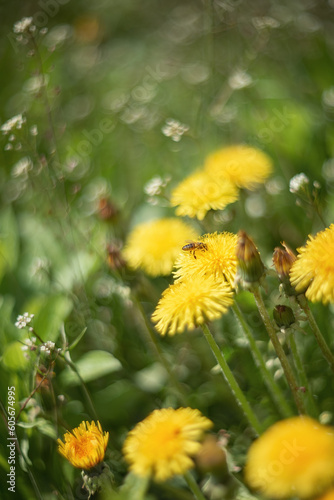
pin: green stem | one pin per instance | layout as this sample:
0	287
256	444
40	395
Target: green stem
288	372
229	377
193	486
70	363
302	375
328	355
159	353
269	380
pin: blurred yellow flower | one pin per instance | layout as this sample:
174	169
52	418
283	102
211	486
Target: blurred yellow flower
85	446
201	192
244	166
190	303
294	457
153	246
327	496
161	445
218	258
313	270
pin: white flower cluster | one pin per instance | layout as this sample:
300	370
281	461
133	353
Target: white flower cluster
14	123
47	347
29	344
155	187
174	129
24	25
22	167
298	182
23	320
239	80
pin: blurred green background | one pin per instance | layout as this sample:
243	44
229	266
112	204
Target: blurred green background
260	73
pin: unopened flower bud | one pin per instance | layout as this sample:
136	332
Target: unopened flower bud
250	265
107	209
283	260
283	316
212	457
115	259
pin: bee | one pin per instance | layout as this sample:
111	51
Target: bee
193	246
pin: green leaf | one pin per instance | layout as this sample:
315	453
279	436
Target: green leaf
43	426
91	366
77	340
13	358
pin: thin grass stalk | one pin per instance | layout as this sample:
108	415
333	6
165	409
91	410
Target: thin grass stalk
152	335
327	353
193	486
288	372
230	379
268	378
302	376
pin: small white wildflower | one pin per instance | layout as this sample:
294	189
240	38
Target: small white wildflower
33	130
42	348
298	182
240	79
29	344
328	170
263	22
50	345
328	97
8	147
155	185
23	320
11	138
22	167
14	123
23	25
174	129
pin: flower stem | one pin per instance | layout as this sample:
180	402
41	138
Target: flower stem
269	380
302	375
229	377
157	350
288	372
328	355
193	486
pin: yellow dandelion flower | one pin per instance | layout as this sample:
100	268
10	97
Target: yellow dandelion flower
313	270
294	457
161	446
153	246
217	258
190	303
329	495
201	192
85	446
242	165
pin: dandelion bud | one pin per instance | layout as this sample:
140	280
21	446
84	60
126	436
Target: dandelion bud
115	259
250	265
283	316
283	260
212	457
107	209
